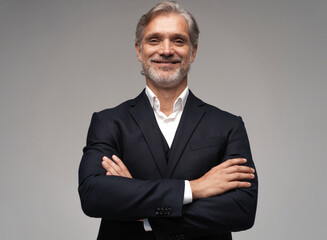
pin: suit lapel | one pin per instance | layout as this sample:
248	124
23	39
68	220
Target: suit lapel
143	115
193	112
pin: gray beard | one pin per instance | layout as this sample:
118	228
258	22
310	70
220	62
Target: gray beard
174	79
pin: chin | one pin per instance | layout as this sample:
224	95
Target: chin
167	83
165	79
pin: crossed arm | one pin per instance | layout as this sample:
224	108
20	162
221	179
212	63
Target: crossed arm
222	178
218	180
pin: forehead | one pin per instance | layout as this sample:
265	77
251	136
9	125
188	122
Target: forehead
167	24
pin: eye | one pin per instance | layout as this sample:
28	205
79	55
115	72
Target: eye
179	42
153	41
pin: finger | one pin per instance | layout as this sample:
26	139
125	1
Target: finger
106	159
105	165
109	167
112	172
116	168
240	176
119	162
240	169
238	184
122	166
233	161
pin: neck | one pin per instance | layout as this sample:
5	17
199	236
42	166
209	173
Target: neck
167	95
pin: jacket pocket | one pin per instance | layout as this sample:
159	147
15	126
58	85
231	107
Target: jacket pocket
207	143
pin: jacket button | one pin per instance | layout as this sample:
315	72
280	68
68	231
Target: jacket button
180	237
163	211
176	237
157	212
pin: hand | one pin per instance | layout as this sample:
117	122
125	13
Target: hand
115	167
222	178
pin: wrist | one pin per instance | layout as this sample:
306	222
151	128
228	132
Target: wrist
196	189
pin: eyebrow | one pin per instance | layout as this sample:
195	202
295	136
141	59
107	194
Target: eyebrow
175	35
183	36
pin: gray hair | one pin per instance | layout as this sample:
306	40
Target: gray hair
167	7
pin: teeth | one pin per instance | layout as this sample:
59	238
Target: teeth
160	62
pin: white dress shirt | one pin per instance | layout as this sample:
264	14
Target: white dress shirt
168	126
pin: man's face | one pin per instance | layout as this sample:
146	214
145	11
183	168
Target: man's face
166	52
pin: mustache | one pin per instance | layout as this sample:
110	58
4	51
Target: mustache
165	59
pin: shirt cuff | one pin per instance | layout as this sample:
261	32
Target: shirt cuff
188	197
146	225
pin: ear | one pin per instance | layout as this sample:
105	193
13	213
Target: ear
195	48
138	52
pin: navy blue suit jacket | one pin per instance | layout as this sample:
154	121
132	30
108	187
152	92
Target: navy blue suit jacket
206	136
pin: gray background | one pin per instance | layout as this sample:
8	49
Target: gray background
62	60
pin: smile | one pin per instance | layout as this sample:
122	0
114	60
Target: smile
166	62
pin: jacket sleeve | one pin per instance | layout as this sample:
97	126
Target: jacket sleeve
119	198
232	211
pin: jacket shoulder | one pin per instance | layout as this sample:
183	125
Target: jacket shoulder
120	110
222	115
211	110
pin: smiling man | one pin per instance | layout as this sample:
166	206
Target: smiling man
165	51
166	165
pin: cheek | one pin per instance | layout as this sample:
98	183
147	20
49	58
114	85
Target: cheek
187	58
149	52
185	54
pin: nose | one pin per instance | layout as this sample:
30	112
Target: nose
166	48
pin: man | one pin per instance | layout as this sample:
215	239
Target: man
166	165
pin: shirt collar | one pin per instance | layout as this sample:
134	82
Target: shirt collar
179	102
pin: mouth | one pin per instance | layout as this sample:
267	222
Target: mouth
166	62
